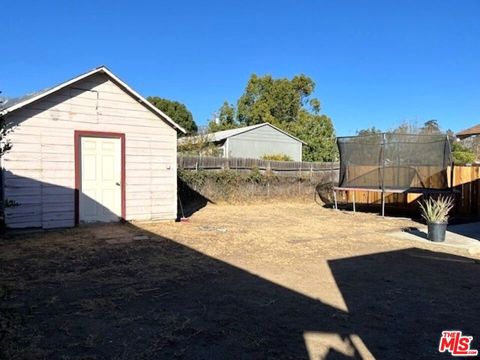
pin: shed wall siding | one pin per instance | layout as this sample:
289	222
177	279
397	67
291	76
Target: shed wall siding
40	168
261	141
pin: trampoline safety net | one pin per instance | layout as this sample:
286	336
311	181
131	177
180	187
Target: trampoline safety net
394	161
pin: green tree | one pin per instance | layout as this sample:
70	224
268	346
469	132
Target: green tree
472	143
406	128
5	145
5	128
288	104
225	120
178	112
198	145
462	154
277	101
370	131
318	132
430	127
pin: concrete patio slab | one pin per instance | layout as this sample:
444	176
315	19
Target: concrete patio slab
464	236
471	230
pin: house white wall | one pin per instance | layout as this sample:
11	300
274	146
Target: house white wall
261	141
40	168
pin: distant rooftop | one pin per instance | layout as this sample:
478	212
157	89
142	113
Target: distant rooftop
474	130
9	102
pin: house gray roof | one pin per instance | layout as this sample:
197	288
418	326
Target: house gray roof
225	134
17	103
10	102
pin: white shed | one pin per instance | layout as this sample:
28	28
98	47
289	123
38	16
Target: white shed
88	150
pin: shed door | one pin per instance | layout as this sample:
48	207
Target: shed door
100	189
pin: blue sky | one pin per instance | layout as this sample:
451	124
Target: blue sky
375	63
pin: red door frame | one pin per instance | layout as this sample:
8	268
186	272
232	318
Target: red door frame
78	161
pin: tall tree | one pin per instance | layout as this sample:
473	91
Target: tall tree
5	144
370	131
276	101
430	127
462	151
177	111
318	132
225	118
287	103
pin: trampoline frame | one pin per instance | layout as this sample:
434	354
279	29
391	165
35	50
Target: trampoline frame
390	191
406	190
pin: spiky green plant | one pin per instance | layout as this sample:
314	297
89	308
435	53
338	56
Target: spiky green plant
436	210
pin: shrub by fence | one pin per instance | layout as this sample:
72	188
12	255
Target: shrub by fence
238	179
253	185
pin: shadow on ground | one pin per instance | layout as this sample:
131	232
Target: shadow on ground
471	230
118	292
400	301
417	232
189	200
324	196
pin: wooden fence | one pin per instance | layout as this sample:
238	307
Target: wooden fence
466	179
288	168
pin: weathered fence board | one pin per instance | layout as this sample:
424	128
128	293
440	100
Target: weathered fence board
284	167
466	181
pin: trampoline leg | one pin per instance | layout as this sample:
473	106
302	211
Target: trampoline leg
335	199
383	204
354	209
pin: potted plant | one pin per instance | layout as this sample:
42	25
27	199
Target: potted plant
435	212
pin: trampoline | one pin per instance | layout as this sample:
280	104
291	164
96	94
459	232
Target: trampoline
394	163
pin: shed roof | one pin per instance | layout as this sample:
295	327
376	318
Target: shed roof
17	103
474	130
225	134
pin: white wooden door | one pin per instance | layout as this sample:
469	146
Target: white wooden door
100	190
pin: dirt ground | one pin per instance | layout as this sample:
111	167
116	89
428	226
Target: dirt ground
277	280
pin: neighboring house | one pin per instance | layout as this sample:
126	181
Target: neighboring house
253	142
470	138
473	131
88	150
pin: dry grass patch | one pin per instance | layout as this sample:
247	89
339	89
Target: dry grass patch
242	281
